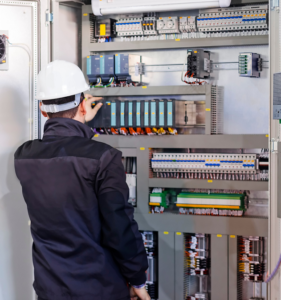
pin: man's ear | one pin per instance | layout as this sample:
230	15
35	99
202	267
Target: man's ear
83	108
44	114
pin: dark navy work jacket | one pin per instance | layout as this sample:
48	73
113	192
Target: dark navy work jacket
86	243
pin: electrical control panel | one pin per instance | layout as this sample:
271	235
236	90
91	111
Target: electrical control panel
250	64
198	64
233	19
4	51
100	66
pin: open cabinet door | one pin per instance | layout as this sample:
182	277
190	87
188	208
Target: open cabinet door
20	21
275	159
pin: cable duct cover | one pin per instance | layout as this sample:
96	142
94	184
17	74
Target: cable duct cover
2	48
107	7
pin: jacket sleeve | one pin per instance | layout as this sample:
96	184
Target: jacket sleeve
119	229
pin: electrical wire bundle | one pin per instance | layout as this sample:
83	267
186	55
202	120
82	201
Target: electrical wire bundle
197	263
135	131
250	258
196	260
259	176
100	85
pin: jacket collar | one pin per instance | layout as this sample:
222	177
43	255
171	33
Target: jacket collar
67	127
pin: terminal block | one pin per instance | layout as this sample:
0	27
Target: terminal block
168	25
212	166
151	247
251	267
250	64
233	19
197	266
198	64
212	204
202	162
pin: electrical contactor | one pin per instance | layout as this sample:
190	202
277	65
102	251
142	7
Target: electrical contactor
198	64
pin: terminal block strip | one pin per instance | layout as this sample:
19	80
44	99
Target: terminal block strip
205	163
233	19
197	266
150	244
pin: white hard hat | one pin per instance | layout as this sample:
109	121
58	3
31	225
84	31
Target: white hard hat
60	79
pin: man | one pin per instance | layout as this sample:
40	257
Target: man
86	243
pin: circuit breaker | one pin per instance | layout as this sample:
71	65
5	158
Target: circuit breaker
4	53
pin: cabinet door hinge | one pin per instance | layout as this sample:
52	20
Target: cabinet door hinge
274	5
274	145
49	17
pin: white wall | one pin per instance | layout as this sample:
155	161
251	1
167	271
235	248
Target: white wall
16	273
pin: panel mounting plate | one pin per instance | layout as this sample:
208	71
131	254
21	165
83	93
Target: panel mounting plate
4	56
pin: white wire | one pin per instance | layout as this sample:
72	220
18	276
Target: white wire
182	79
30	95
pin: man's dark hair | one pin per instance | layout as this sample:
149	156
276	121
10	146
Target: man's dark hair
63	114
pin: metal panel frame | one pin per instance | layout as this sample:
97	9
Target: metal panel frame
219	267
180	44
188	141
232	267
179	265
166	271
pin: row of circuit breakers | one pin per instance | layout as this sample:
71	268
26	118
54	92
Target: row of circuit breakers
209	20
207	163
156	113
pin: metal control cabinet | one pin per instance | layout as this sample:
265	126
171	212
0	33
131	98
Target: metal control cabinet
171	228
